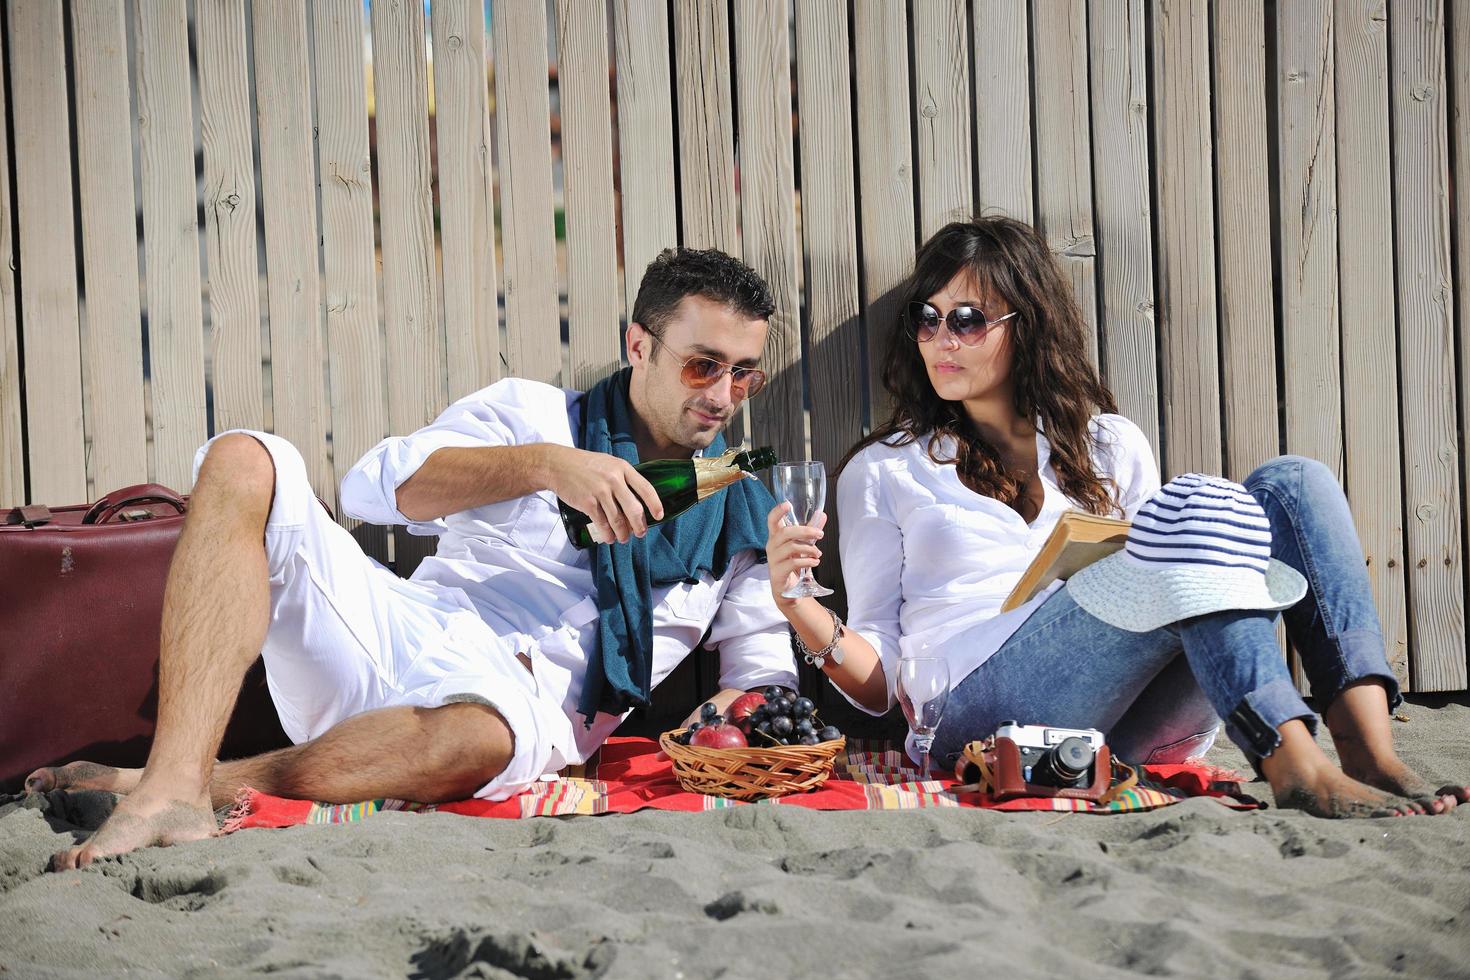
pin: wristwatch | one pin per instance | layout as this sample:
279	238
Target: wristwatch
818	658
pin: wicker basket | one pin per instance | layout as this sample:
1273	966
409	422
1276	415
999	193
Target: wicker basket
751	773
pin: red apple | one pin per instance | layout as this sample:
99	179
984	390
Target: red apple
740	709
719	737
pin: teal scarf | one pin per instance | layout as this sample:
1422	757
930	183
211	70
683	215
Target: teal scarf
702	539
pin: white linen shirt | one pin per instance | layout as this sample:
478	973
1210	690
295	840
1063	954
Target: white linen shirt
928	562
514	563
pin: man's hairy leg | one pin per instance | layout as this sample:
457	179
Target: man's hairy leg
216	610
427	755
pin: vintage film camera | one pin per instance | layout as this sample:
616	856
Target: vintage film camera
1038	760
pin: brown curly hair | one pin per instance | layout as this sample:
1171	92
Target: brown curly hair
1052	377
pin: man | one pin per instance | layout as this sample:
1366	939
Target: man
510	653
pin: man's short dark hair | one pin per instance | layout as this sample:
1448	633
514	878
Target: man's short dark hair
720	278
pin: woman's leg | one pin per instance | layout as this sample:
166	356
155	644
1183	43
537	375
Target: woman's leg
1066	668
1234	656
1170	721
1335	626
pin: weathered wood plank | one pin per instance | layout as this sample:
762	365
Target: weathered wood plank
706	133
1460	132
1372	473
1063	148
113	347
417	389
12	444
942	113
1432	492
645	137
1002	108
703	75
593	305
229	216
829	240
886	178
523	128
829	232
768	212
170	239
1307	189
359	402
1118	62
1242	178
288	188
48	298
416	368
1184	195
466	202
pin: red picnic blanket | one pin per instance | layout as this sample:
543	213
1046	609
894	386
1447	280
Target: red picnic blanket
630	775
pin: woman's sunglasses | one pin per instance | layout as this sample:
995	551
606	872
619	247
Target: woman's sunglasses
967	324
702	372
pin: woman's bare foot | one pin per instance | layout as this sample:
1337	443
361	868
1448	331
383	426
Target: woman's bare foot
1332	793
1302	778
1363	735
1393	776
83	775
143	819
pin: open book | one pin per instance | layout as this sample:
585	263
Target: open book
1078	540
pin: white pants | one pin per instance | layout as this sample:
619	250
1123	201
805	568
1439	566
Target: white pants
347	635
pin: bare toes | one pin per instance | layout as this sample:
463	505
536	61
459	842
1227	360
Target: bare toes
66	860
81	775
41	781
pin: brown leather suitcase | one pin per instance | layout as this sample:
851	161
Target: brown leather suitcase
81	599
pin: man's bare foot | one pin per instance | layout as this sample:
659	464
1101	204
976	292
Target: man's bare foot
1396	778
143	819
83	775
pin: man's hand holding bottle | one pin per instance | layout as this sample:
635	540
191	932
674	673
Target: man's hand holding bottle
605	488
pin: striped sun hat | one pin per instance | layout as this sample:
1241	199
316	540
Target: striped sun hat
1201	544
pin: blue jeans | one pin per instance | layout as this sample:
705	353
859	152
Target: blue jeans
1159	696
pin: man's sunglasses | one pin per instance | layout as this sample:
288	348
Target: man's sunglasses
967	324
702	372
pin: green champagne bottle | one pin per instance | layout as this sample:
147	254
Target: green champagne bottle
680	484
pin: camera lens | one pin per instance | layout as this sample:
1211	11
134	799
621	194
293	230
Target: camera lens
1065	764
1071	758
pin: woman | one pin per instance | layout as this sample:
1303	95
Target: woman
1000	424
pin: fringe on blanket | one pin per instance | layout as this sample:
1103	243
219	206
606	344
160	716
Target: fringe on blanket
239	810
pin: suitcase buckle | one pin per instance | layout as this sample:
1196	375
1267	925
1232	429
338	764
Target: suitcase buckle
30	515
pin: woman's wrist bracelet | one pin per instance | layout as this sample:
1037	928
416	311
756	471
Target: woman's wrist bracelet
818	658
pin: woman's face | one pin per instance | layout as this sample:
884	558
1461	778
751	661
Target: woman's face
960	373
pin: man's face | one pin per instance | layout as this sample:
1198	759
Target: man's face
675	414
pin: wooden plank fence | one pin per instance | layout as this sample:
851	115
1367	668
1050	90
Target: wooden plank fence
1262	209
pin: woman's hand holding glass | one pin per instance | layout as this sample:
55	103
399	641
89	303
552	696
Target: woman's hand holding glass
790	549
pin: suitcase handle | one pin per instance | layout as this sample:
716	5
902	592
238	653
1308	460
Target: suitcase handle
106	508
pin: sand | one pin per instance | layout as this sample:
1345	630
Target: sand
1193	889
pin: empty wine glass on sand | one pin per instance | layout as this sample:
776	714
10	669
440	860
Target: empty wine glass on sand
804	486
923	690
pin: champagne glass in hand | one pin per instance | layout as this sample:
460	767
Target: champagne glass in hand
804	486
923	689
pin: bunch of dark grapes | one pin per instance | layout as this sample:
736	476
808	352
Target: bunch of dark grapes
784	719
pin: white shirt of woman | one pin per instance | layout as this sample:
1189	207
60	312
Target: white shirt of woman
927	562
